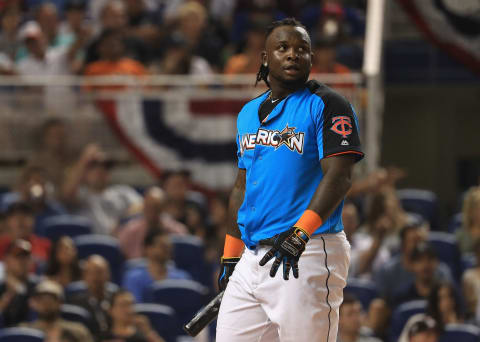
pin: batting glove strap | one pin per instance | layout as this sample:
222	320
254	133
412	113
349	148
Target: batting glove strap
226	270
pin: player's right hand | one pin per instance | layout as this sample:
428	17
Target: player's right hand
226	270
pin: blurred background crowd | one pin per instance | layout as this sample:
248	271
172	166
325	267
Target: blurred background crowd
87	258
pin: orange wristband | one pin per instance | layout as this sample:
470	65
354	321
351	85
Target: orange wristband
233	247
309	221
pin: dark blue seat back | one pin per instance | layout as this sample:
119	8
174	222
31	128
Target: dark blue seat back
21	335
446	248
75	313
57	226
186	297
161	317
401	315
460	333
422	202
105	246
364	290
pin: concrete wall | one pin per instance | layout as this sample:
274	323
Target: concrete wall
427	130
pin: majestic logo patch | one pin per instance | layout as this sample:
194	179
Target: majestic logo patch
342	125
287	136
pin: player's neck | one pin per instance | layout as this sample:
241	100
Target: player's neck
281	90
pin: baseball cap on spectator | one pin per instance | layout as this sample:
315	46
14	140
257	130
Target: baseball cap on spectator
31	30
19	247
49	287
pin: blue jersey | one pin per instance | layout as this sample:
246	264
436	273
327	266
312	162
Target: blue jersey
282	156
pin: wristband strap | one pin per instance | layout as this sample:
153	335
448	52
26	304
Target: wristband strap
309	221
233	247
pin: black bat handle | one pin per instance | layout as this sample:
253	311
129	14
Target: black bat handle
203	317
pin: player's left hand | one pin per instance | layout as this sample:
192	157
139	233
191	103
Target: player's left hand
288	247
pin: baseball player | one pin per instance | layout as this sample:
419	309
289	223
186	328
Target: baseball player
297	145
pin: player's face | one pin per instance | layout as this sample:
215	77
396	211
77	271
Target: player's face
288	55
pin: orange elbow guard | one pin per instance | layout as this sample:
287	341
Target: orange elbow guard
309	221
233	247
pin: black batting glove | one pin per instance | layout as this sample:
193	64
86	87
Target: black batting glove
288	247
226	270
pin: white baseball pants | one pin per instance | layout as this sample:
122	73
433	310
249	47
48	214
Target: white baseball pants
258	308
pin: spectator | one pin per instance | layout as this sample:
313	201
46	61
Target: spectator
248	61
420	328
445	305
54	154
9	42
158	266
350	322
17	285
35	189
47	17
131	235
179	59
97	298
46	302
113	59
471	286
374	244
113	17
18	222
401	265
126	326
424	263
191	24
63	266
87	191
324	57
142	22
470	230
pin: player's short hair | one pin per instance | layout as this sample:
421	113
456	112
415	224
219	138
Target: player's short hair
263	71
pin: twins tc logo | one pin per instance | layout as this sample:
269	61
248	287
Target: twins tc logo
342	125
287	136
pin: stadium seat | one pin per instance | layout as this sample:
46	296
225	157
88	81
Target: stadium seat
460	333
445	246
162	318
135	263
186	297
186	249
75	313
21	335
59	225
401	315
455	223
364	290
80	286
105	246
422	202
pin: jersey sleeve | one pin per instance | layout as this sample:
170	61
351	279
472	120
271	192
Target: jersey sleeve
337	128
240	164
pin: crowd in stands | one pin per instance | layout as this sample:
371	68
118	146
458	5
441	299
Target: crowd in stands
82	259
140	37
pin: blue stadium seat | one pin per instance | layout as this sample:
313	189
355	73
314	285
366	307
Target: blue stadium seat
75	313
422	202
401	315
80	286
186	297
56	226
460	333
162	318
364	290
135	263
21	335
105	246
455	223
446	248
186	249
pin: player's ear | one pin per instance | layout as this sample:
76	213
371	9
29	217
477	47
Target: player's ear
264	58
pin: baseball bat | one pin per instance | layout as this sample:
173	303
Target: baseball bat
204	316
